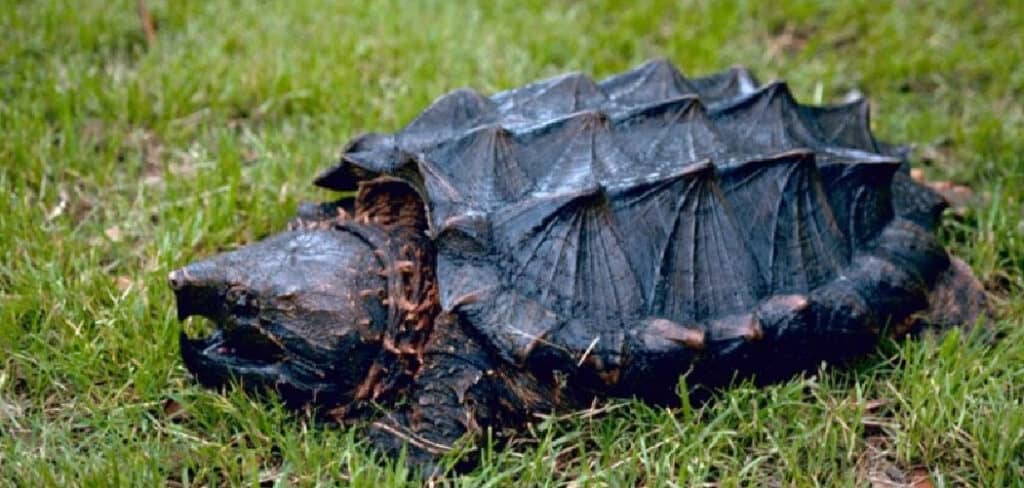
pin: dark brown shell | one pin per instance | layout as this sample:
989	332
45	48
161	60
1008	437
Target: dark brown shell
651	224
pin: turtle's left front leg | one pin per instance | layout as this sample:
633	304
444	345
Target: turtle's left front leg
462	389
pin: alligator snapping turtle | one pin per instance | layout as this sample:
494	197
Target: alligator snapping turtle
570	240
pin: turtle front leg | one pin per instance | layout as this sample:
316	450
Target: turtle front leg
462	390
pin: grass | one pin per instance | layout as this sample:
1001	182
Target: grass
120	161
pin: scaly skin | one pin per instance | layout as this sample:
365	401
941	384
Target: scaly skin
573	240
341	312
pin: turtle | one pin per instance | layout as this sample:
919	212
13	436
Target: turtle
572	240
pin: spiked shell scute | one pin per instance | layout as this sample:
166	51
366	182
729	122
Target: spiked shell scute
600	226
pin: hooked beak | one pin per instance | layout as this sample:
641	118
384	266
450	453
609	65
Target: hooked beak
238	350
236	346
196	292
292	314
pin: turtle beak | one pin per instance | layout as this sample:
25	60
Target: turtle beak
198	290
237	349
285	314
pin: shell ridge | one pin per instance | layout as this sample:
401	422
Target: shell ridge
817	250
552	142
679	104
845	125
552	152
564	254
850	187
648	205
798	239
696	251
725	85
805	129
770	110
675	122
482	164
450	115
744	297
677	211
536	99
650	82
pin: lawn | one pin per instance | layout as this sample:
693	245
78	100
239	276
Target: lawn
121	159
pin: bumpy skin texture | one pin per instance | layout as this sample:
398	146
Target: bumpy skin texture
570	240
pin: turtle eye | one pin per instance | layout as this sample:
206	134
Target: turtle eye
241	301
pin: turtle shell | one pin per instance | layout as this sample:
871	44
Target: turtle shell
650	224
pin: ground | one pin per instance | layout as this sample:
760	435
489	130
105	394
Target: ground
122	157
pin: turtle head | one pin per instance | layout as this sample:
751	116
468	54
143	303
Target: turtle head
301	312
